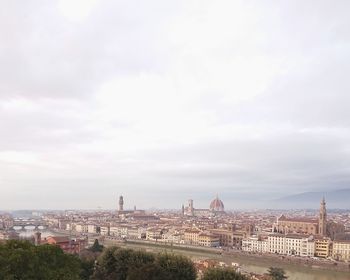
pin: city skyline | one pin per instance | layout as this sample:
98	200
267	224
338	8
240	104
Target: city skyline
288	203
167	101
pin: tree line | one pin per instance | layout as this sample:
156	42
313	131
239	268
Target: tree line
21	260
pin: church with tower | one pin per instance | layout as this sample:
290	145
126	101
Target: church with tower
304	225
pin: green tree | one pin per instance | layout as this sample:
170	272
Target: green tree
24	261
88	258
96	247
176	267
17	260
125	264
222	274
87	268
117	263
277	273
149	271
53	263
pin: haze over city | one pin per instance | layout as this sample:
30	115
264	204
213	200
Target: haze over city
162	101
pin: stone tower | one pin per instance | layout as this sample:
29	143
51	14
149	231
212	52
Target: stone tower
121	203
190	207
322	220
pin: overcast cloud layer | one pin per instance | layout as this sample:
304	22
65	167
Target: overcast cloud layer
162	101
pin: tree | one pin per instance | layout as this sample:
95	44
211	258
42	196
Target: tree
87	265
149	271
88	259
117	263
22	260
17	260
53	263
277	273
96	247
126	264
222	274
176	267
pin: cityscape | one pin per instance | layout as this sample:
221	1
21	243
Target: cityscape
174	140
306	237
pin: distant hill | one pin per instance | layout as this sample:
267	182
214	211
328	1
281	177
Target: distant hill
337	199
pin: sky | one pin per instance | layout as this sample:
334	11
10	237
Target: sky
162	101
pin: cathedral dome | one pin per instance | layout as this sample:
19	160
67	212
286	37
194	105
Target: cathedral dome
217	205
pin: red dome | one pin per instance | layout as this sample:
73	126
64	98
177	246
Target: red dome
217	205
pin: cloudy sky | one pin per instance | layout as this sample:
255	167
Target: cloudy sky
162	101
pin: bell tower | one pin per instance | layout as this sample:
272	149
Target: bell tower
322	220
190	207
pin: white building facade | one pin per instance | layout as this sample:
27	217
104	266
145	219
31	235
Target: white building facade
298	245
255	244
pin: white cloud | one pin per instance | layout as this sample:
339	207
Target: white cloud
76	10
154	96
13	157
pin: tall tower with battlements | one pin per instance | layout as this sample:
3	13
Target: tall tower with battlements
322	220
121	203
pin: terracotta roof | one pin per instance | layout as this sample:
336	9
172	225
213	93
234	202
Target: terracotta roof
217	205
58	239
342	241
299	220
192	231
297	236
208	235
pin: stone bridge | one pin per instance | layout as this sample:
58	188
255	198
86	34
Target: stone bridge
29	223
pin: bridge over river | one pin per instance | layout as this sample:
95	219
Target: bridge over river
24	224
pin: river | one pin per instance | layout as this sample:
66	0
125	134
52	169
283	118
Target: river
29	232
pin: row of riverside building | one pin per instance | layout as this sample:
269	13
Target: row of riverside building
301	237
299	245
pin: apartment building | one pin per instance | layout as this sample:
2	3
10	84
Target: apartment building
341	250
191	236
83	228
255	244
154	233
298	245
323	247
104	230
91	228
208	240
